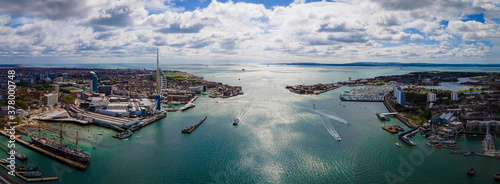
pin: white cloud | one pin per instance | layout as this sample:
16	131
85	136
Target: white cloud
360	30
416	37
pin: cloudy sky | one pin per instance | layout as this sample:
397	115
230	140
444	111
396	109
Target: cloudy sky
344	31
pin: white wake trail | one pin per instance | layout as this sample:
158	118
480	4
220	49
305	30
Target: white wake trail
242	114
332	117
331	130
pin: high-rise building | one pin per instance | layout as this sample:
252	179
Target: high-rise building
65	76
431	97
52	75
400	98
55	88
32	80
93	82
59	79
49	99
454	96
396	89
42	76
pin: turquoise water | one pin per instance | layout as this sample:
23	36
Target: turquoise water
280	139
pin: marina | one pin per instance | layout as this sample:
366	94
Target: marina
20	174
369	93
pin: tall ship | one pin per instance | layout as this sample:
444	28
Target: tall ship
60	149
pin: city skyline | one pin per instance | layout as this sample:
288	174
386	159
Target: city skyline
203	31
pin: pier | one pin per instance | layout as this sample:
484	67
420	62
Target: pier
404	136
19	174
190	129
149	121
47	153
384	116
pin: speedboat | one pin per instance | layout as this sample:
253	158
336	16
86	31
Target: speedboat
236	121
397	144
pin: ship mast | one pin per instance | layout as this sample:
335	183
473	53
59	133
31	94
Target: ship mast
60	133
76	142
39	135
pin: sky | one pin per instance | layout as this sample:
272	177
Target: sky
204	31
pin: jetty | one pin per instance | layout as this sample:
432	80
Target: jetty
385	116
149	121
190	129
47	153
404	136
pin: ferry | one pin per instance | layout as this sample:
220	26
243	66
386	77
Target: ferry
187	106
236	121
397	144
33	174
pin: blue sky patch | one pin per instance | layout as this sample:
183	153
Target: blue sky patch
476	17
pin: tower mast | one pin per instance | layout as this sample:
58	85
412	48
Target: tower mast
158	89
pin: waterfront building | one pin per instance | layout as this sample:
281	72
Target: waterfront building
52	75
396	89
431	97
65	76
55	88
105	90
400	98
93	82
198	89
454	96
481	126
49	99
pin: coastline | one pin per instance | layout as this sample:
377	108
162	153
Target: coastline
406	121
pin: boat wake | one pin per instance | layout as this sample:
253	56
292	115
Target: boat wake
331	130
324	113
242	115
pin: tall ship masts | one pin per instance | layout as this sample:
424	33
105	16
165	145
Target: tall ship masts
60	149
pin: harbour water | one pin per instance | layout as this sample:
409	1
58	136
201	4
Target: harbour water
281	137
